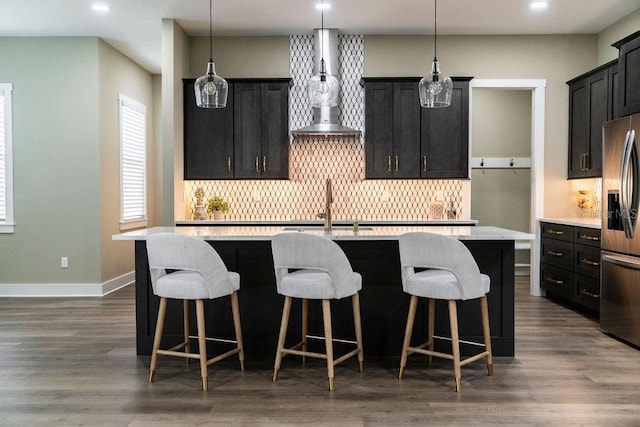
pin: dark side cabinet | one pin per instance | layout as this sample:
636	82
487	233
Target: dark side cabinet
629	69
208	138
590	105
261	129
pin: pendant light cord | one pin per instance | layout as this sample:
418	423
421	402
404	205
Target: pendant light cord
210	30
435	29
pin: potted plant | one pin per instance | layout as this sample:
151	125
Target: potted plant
217	206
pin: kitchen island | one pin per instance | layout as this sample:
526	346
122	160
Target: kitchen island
372	251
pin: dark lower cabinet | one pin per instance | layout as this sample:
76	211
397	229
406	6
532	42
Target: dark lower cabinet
570	265
384	305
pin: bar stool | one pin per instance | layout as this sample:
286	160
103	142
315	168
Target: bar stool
187	268
321	271
451	274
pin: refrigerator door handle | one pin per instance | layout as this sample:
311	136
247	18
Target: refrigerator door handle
624	184
621	261
635	183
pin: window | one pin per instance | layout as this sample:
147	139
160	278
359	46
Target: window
6	160
133	199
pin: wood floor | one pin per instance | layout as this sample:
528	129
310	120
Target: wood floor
73	362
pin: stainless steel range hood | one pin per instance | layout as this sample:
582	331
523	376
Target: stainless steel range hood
325	120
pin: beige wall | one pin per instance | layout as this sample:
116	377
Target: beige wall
554	58
118	75
617	31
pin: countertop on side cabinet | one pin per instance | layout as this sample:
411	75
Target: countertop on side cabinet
265	233
578	222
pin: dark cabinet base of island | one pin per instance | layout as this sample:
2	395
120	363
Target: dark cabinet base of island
383	304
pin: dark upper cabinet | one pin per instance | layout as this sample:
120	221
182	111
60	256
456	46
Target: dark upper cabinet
225	143
592	102
403	140
392	129
629	72
208	138
445	137
261	130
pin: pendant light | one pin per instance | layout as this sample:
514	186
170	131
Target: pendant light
323	88
435	90
211	89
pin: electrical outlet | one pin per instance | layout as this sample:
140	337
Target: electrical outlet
64	262
256	196
385	196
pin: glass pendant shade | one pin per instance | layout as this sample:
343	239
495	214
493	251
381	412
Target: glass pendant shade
211	89
323	89
435	91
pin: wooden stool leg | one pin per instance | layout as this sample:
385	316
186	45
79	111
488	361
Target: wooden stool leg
413	305
185	316
328	339
162	310
357	323
235	309
487	333
305	328
431	322
455	342
286	310
202	343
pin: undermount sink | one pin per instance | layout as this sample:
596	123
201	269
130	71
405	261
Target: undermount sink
321	227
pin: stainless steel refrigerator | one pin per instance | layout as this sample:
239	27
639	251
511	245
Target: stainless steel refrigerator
620	268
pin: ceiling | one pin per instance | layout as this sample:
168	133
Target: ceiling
134	26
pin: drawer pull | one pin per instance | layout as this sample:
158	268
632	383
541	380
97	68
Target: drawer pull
257	164
586	261
388	163
229	164
553	281
586	293
555	232
587	237
554	253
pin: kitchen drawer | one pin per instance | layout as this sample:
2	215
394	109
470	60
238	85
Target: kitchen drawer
557	231
587	292
587	236
587	260
558	282
557	252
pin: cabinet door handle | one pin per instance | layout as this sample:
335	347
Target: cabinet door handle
424	163
257	164
229	163
396	163
554	232
586	293
388	163
587	161
587	237
553	281
264	164
555	253
587	261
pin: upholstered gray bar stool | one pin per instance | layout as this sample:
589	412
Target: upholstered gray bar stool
448	272
188	268
314	267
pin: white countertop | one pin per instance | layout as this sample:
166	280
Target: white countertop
578	222
320	222
259	232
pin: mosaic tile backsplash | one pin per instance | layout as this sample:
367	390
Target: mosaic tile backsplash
312	160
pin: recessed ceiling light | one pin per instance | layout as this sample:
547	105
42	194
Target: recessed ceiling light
100	7
323	6
538	5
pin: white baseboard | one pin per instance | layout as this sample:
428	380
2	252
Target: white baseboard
522	270
42	290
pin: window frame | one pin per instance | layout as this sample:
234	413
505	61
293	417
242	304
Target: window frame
7	224
130	103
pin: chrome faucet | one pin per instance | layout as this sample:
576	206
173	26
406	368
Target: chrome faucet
327	208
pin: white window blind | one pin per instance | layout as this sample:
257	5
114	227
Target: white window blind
6	161
133	211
